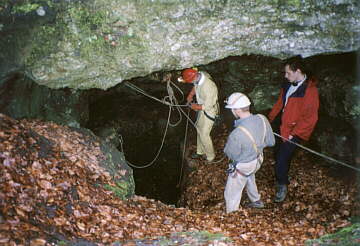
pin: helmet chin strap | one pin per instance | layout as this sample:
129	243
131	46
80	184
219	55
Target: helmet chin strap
234	113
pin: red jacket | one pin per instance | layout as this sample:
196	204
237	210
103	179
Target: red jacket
300	114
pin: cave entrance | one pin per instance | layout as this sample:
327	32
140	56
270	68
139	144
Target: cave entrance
141	122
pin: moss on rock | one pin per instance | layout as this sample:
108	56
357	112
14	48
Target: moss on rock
349	236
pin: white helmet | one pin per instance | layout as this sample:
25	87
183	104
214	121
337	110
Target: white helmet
237	100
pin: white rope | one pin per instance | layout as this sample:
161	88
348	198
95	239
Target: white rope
319	154
173	102
184	147
132	86
158	152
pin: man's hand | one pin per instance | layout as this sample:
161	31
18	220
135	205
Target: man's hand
191	95
196	107
189	98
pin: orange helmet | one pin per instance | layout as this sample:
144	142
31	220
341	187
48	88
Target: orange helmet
189	75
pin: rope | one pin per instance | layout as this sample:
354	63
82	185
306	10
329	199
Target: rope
134	87
158	152
183	154
171	97
319	154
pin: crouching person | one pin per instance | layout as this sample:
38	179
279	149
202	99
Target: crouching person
244	148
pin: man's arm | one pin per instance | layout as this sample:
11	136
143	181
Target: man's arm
269	137
210	98
309	115
277	107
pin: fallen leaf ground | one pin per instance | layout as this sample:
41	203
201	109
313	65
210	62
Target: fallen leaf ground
51	193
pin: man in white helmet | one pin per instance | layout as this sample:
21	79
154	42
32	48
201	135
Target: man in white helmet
244	148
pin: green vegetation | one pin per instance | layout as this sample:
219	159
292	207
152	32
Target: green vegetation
45	42
187	239
62	243
91	26
78	25
205	235
25	8
349	236
120	190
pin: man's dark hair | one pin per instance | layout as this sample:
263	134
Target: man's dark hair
295	63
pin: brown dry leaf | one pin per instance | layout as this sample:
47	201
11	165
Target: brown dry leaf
38	242
45	184
60	221
20	212
81	226
62	180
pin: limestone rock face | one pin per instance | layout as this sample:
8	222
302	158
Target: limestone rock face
100	43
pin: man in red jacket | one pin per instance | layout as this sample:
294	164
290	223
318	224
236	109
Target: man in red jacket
294	115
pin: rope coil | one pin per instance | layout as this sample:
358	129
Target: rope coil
170	101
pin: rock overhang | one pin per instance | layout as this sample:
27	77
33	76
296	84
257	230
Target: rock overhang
98	44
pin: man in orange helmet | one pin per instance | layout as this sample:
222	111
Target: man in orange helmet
207	107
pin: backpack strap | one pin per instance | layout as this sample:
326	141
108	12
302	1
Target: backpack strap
251	138
264	124
259	155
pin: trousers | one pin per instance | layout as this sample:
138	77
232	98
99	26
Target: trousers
284	152
236	183
204	143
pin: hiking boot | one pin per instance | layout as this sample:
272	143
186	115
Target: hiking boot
280	193
257	204
197	156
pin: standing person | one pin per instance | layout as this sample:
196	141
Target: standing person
207	107
294	115
244	147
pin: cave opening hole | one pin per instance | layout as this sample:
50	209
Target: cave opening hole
141	122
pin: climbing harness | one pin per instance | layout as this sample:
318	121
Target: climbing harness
216	119
259	156
319	154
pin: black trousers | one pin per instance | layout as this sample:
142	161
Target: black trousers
284	151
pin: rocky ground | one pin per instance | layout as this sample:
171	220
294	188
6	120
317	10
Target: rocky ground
55	193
